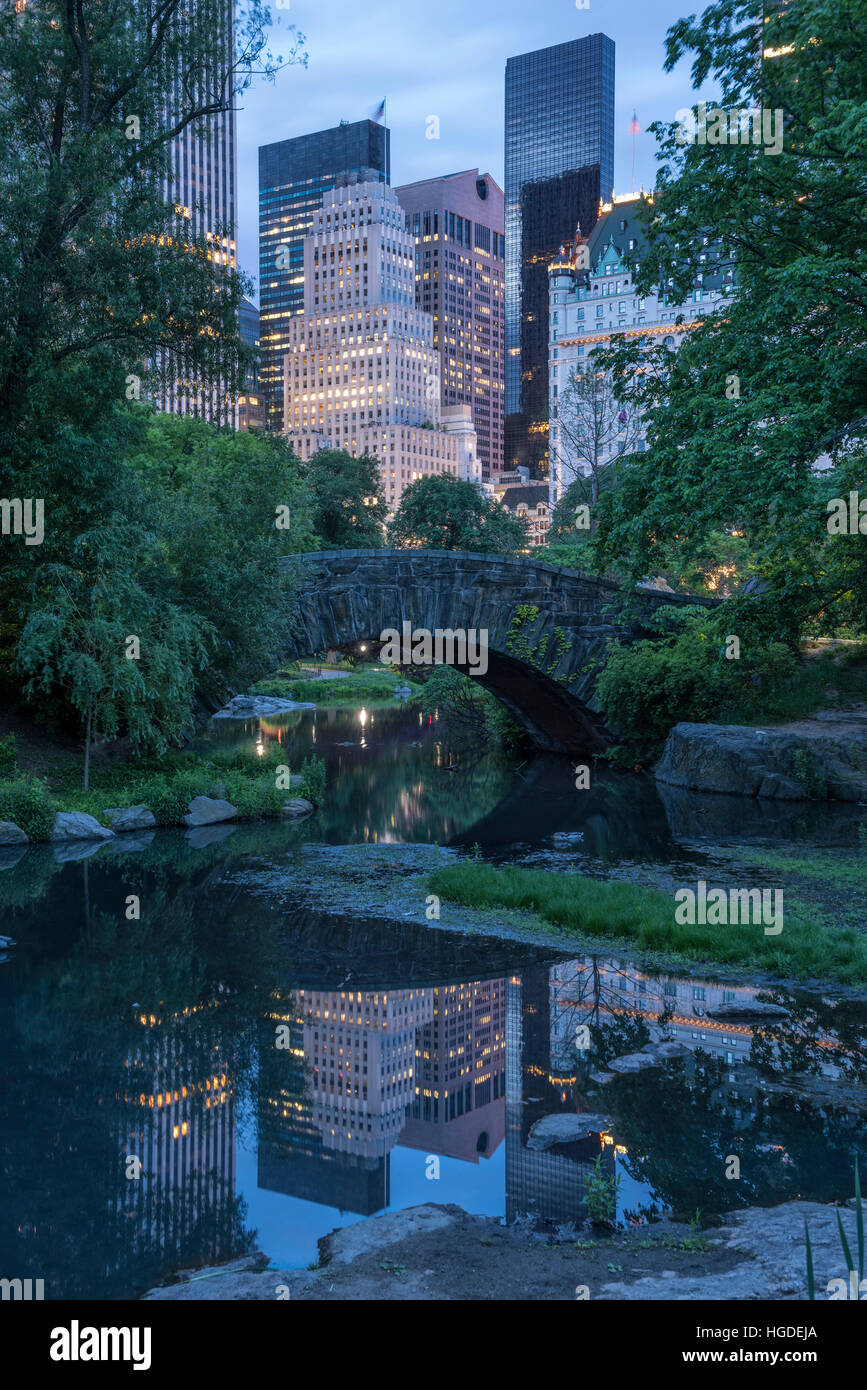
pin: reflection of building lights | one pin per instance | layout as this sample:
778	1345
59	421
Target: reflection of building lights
362	717
260	748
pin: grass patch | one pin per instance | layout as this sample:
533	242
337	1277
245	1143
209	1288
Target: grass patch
628	911
360	685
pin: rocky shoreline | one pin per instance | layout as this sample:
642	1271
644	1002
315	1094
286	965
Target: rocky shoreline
442	1252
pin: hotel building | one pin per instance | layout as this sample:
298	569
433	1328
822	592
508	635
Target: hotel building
361	370
457	224
589	304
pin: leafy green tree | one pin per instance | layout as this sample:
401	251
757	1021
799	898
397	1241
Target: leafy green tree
442	512
100	273
776	378
348	503
123	659
182	537
230	509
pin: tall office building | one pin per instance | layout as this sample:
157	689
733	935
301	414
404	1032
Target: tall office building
202	183
457	222
361	370
293	177
559	166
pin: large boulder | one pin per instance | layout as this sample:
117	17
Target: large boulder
298	807
77	825
815	757
125	818
12	834
207	810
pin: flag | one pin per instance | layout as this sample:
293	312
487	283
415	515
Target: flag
380	111
634	127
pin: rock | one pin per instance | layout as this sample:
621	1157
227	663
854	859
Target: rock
125	818
12	834
204	835
298	807
774	1266
791	763
748	1011
259	707
632	1062
350	1242
565	1129
207	810
77	825
602	1078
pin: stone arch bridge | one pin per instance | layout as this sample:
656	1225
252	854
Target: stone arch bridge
548	628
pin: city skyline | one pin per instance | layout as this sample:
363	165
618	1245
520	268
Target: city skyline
351	69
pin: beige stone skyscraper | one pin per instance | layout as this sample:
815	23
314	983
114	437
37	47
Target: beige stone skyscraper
362	372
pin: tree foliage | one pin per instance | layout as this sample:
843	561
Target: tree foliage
776	378
442	512
348	503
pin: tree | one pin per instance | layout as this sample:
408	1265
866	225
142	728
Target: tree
775	379
182	543
123	659
100	273
594	430
443	512
348	503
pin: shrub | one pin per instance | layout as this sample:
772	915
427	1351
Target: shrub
28	802
8	756
601	1190
313	786
169	796
253	796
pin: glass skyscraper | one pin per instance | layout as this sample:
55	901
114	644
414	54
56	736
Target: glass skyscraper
559	120
293	176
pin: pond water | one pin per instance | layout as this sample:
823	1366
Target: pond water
236	1068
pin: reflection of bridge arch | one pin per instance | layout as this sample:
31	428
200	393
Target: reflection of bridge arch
548	628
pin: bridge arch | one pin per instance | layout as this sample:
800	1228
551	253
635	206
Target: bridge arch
548	628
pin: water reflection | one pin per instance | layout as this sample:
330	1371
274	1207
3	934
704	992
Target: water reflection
276	1071
270	1072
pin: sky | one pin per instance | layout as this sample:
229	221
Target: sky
447	58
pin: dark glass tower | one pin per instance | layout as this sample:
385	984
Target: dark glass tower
293	175
559	120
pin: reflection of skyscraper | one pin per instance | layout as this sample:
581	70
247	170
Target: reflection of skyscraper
293	176
460	1087
559	164
547	1184
179	1122
333	1105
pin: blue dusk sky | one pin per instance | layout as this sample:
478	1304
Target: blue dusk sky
447	59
